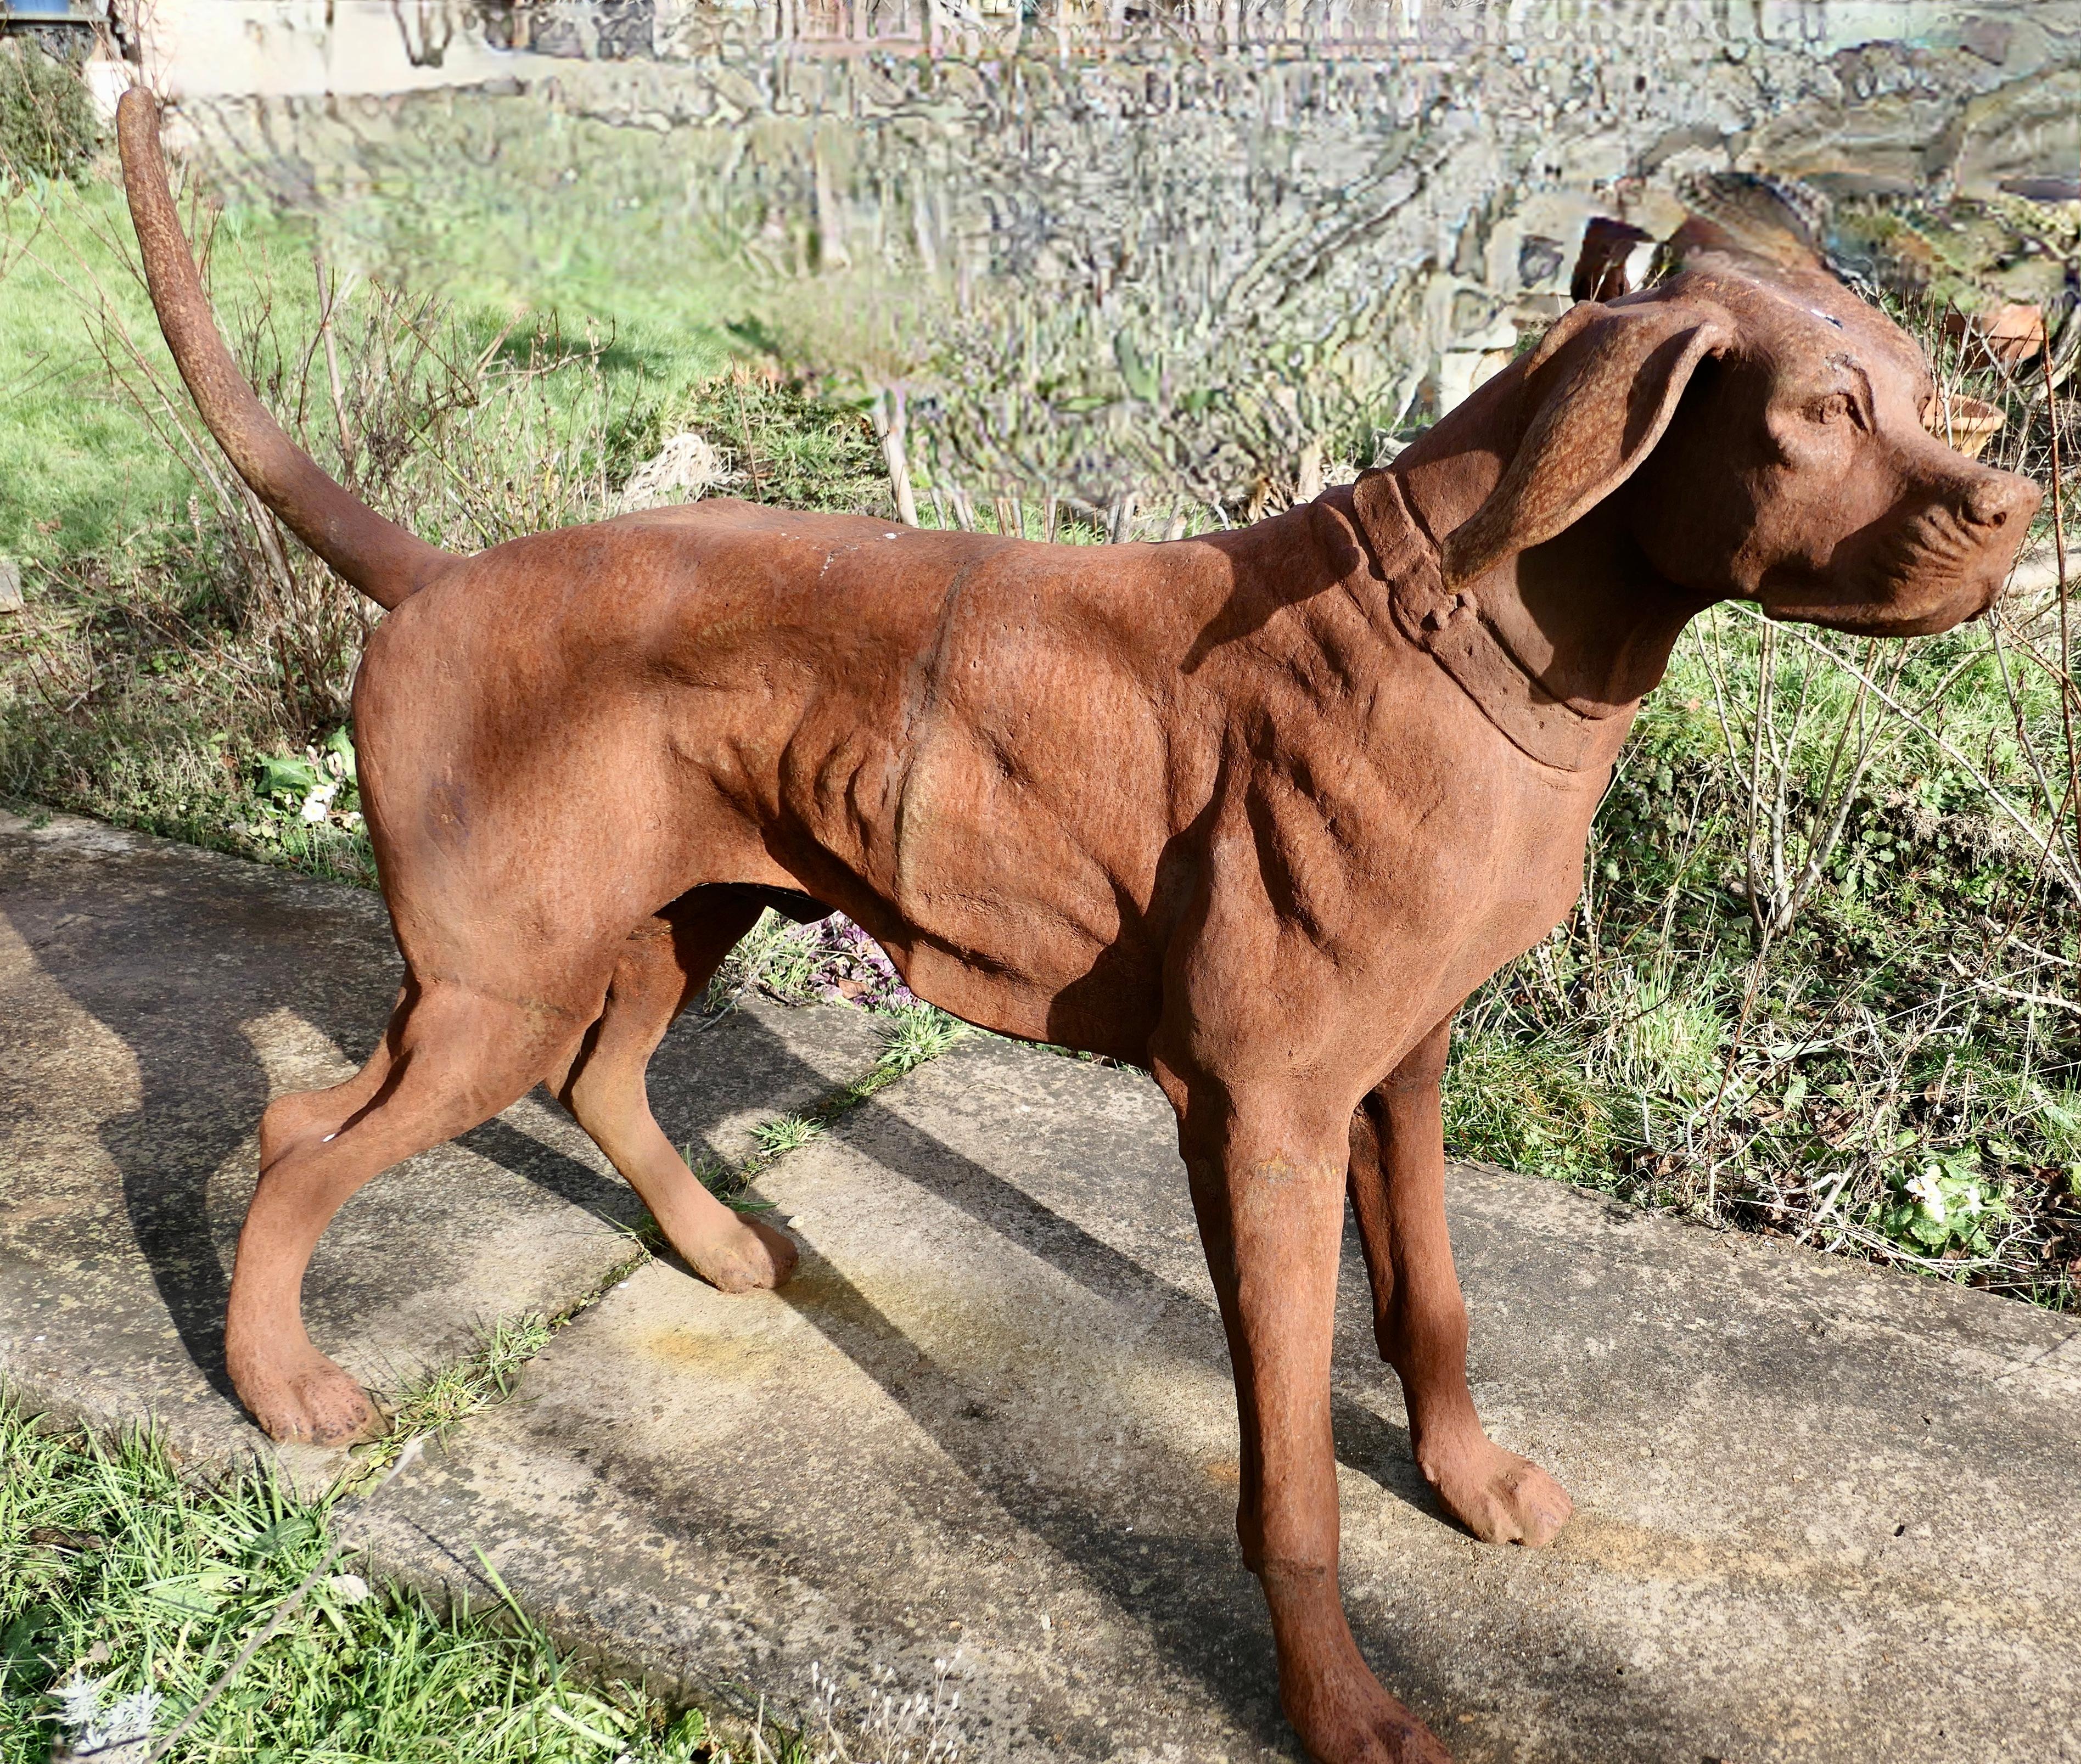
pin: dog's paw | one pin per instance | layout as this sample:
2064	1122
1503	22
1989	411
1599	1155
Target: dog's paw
1391	1736
1344	1717
1499	1496
1340	1710
745	1255
313	1403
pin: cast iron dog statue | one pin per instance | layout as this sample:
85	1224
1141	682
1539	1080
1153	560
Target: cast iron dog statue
1256	811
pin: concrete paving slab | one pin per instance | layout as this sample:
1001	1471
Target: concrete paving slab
152	998
1825	1512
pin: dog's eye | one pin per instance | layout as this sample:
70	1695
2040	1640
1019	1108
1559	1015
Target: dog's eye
1836	407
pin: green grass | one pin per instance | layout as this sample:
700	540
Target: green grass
500	248
118	1571
512	205
452	1393
1815	1083
508	211
1526	1104
78	473
137	1598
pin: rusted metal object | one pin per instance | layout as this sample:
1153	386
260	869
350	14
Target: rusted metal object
1967	424
1256	811
2008	337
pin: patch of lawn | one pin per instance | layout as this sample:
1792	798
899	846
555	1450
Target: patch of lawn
505	247
139	1603
512	204
128	1591
78	471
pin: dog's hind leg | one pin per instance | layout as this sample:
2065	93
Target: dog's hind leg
450	1058
661	967
1397	1190
303	1115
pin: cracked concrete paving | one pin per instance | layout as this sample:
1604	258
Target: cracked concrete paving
154	996
1825	1512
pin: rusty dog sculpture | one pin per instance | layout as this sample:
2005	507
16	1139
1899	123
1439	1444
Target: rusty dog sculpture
1349	757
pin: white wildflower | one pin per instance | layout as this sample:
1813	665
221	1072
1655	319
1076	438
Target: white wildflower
348	1588
1928	1189
318	804
119	1733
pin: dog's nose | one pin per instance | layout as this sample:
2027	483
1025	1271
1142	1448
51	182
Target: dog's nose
2000	501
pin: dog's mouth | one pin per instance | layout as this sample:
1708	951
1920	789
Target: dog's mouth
1922	573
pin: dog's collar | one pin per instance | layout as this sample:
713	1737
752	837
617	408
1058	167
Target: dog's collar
1449	626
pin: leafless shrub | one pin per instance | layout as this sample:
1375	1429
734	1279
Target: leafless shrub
470	440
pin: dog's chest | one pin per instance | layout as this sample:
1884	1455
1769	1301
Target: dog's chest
1409	840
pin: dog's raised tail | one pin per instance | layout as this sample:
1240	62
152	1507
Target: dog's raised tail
381	558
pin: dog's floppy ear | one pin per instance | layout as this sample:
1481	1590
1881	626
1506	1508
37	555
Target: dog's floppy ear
1599	391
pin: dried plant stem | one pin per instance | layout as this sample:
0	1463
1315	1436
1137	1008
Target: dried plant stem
2040	836
2059	565
329	295
259	1639
890	425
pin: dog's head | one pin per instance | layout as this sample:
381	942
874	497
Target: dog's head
1764	429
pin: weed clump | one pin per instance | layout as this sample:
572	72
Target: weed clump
789	442
47	123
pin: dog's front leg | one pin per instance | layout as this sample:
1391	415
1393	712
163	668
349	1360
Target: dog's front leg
1267	1181
1397	1187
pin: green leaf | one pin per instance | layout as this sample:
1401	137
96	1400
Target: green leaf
341	742
191	1601
686	1735
287	775
196	1595
1139	374
299	1528
24	1664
